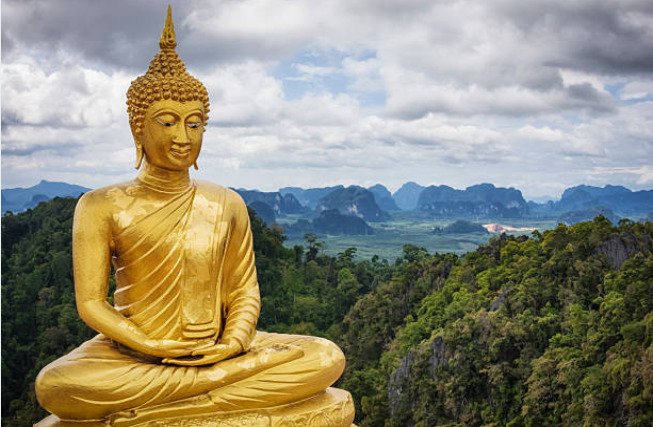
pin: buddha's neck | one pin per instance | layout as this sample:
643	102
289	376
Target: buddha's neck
164	180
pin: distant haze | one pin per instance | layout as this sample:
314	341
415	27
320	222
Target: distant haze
538	95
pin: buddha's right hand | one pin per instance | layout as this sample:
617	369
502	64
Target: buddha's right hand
169	348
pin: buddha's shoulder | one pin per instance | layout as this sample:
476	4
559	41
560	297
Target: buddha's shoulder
105	197
220	194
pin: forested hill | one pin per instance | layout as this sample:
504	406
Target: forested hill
556	329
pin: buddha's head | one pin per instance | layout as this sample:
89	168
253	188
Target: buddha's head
168	109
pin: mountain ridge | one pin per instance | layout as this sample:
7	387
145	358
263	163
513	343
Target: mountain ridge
353	200
22	198
480	200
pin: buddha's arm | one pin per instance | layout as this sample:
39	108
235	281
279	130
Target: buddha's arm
242	302
241	293
91	266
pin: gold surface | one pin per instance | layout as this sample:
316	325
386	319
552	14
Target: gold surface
180	341
332	408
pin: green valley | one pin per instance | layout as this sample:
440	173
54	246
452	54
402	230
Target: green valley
389	237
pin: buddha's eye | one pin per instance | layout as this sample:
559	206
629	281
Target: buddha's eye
166	123
194	125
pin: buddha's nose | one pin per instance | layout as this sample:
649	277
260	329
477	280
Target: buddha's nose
180	136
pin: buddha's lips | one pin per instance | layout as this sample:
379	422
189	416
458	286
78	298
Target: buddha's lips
180	152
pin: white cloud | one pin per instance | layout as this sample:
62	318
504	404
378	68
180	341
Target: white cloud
242	94
643	175
543	133
365	75
253	19
516	93
310	72
71	95
322	109
637	89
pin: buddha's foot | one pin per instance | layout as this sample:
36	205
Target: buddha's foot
333	408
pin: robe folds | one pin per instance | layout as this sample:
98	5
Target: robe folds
185	271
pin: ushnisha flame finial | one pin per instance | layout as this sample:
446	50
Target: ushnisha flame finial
168	37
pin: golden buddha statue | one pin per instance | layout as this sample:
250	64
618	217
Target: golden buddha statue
179	345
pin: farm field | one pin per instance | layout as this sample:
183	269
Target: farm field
390	237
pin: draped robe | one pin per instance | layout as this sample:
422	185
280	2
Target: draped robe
186	271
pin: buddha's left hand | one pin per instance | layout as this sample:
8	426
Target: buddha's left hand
208	355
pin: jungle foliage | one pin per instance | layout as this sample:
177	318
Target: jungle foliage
553	330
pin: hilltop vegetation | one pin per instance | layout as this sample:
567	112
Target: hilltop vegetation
39	318
555	329
552	330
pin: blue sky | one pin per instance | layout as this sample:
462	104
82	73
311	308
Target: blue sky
538	95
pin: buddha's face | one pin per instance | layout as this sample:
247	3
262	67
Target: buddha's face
172	133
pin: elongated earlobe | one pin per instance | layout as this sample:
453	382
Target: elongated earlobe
139	156
195	165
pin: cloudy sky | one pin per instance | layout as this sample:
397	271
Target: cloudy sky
538	95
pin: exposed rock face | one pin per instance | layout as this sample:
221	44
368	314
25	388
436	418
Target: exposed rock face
281	205
355	201
483	200
617	248
437	358
397	385
428	357
407	196
383	198
309	197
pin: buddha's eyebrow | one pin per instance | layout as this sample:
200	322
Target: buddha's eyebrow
165	110
194	112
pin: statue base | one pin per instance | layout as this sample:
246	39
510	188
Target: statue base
333	408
